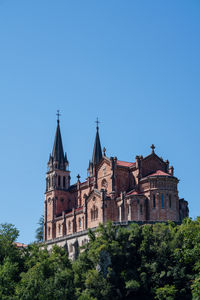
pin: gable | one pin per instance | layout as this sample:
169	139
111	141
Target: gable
103	161
103	169
94	199
151	164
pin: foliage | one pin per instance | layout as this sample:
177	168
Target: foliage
39	231
49	275
160	261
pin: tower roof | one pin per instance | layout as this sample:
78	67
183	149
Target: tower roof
58	153
97	153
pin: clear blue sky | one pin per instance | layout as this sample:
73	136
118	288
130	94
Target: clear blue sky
134	64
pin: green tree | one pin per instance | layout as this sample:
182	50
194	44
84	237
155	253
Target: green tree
166	293
11	261
39	231
49	275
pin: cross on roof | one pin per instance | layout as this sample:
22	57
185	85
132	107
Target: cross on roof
153	148
58	115
97	121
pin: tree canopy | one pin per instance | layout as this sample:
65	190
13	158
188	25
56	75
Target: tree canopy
160	261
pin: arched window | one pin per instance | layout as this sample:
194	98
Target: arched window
170	201
154	201
49	231
55	228
94	213
58	180
141	209
69	226
162	201
104	184
79	223
64	181
48	182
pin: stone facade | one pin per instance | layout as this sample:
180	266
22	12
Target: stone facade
142	191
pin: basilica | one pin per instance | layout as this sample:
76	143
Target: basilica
143	191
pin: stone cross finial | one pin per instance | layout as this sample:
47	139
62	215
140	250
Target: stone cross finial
58	115
78	177
153	148
97	122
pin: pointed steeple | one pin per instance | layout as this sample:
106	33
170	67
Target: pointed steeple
58	160
97	153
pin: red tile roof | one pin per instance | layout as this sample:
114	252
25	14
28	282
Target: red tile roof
125	163
20	245
79	208
84	182
160	173
133	193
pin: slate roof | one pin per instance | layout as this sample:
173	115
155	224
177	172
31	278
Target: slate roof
58	153
97	153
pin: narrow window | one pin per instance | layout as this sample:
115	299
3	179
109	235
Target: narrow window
79	222
54	230
49	231
69	226
58	180
170	201
141	209
154	201
64	181
162	201
59	228
96	213
48	180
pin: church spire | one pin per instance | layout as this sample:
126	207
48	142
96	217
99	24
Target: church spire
58	158
97	153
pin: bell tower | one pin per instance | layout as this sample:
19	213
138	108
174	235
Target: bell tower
57	184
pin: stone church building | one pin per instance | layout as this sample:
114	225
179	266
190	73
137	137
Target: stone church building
143	191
